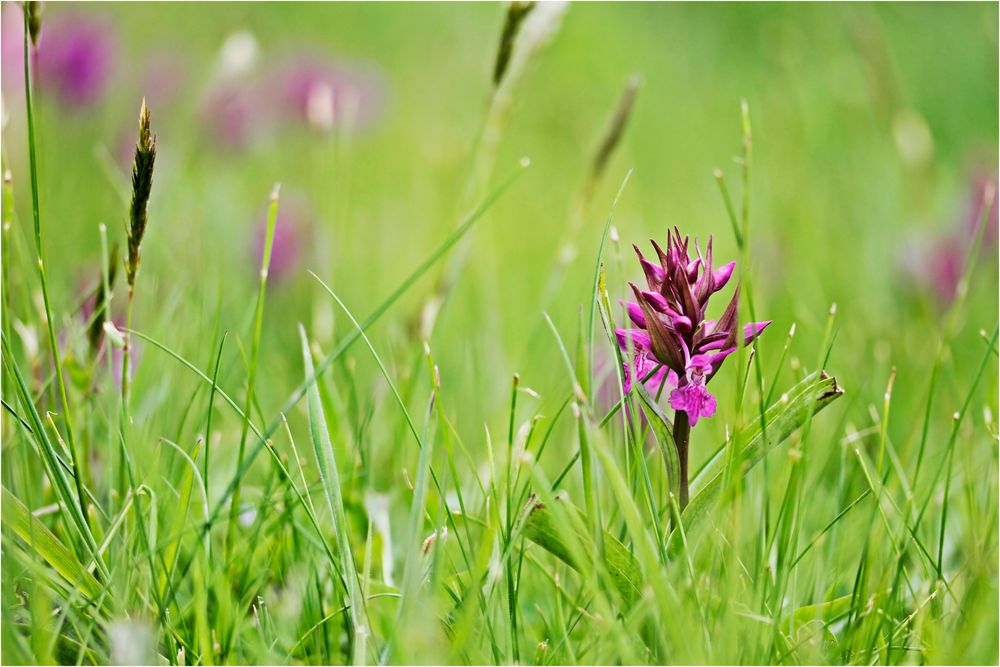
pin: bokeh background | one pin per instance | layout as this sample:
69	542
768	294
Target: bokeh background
874	132
874	139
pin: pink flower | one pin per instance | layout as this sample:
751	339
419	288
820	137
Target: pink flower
229	114
326	93
672	332
76	55
291	238
693	398
937	262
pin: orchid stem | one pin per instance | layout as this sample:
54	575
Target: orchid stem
682	433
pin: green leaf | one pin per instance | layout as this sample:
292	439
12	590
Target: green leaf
546	526
17	517
808	397
822	611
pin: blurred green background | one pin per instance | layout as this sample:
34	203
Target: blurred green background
870	122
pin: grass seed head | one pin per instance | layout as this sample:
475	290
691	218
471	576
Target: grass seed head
516	13
33	10
616	128
142	185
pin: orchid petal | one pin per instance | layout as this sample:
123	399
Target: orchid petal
692	269
752	330
716	343
635	314
722	275
682	323
656	301
654	274
695	400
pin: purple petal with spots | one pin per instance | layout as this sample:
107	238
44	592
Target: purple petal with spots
695	400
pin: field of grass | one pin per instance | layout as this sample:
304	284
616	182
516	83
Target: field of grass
359	399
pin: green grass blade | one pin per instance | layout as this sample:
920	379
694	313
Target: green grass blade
330	478
19	519
258	321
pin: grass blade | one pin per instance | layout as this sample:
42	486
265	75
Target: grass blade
19	519
330	479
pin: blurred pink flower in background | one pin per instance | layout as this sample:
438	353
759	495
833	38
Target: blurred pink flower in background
229	114
161	80
230	109
325	93
292	237
309	90
76	56
937	263
12	51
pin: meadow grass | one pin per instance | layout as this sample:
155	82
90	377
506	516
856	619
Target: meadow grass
424	452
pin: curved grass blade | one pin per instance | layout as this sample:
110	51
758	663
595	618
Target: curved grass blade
18	518
330	478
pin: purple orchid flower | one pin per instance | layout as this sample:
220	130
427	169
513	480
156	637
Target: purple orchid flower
74	58
670	326
672	343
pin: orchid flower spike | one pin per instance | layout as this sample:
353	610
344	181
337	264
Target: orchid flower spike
670	340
